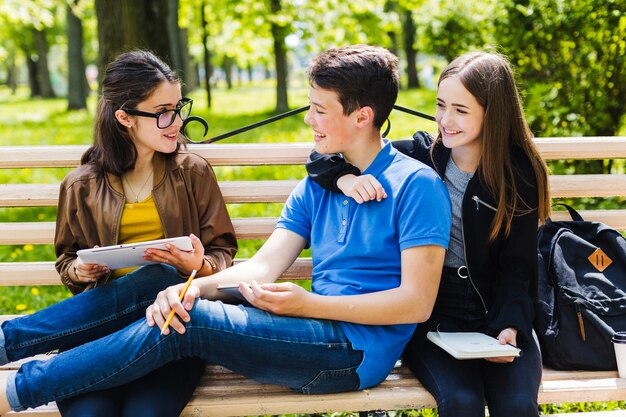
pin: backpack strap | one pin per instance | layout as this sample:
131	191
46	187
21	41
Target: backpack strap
573	213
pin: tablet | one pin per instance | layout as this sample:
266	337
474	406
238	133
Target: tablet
130	254
232	290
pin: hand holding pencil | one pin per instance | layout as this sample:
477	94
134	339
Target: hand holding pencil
181	296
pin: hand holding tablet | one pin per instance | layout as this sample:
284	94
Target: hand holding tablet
232	290
130	254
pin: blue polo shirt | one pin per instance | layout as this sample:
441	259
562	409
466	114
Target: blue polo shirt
356	247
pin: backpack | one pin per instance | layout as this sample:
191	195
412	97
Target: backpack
581	293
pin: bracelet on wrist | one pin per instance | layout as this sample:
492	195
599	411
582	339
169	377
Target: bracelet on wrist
201	265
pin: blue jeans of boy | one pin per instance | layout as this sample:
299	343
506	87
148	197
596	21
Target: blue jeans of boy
115	345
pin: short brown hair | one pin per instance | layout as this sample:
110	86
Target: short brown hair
361	75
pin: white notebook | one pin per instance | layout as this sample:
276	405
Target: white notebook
471	345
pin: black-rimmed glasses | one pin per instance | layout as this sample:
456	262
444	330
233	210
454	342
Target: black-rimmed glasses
165	118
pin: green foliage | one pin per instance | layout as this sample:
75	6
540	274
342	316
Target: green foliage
450	28
571	55
581	407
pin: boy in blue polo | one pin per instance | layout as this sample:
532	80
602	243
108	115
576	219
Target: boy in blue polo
376	270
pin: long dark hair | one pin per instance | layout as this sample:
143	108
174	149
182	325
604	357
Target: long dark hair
489	78
128	80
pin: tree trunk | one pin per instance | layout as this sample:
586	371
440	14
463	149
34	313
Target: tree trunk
144	22
279	33
43	73
227	65
110	33
190	74
175	39
31	65
408	32
391	6
77	83
207	55
12	72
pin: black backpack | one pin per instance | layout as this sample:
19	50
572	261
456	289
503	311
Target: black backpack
581	294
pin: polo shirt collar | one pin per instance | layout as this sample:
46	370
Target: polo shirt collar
382	160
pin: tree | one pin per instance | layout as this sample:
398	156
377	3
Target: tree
410	50
451	28
208	69
110	32
42	75
146	24
77	84
27	24
280	29
571	57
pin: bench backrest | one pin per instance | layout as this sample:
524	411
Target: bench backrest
228	157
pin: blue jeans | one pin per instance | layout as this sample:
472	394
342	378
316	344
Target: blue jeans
116	346
461	387
163	392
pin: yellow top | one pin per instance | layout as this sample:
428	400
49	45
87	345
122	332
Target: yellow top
139	222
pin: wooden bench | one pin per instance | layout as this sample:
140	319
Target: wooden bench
224	393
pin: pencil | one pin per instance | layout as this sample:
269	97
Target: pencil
182	295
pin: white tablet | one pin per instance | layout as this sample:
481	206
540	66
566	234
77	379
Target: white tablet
130	254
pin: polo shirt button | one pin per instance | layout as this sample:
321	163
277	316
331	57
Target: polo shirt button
344	222
345	202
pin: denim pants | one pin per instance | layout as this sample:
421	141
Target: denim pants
163	392
115	345
461	387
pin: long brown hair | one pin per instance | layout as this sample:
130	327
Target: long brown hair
489	78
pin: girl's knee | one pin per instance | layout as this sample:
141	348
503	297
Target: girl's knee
460	404
514	406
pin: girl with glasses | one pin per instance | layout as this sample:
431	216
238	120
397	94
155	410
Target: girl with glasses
134	184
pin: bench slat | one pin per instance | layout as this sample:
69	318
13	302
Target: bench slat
589	185
42	233
248	154
22	233
599	147
590	147
43	273
223	393
44	195
277	191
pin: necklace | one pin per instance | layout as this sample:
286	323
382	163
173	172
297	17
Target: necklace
142	187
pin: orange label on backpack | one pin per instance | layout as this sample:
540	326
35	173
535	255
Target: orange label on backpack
600	260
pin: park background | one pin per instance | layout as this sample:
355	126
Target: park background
243	61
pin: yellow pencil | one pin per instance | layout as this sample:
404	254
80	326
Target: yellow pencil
182	295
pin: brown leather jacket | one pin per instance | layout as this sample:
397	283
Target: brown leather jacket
187	199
